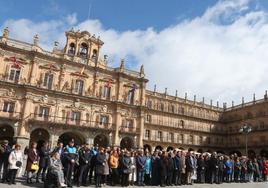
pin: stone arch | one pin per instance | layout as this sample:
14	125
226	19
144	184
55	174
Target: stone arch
40	136
126	143
251	153
220	151
169	148
7	132
101	141
181	148
190	149
147	147
159	148
65	138
264	153
239	154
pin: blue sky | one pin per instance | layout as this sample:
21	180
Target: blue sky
216	49
118	14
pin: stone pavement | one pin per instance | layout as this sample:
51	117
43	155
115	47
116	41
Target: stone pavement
22	184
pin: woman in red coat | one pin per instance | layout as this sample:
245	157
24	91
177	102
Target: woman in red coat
265	168
32	158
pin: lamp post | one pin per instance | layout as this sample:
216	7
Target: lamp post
246	129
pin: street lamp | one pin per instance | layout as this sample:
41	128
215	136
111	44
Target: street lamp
246	129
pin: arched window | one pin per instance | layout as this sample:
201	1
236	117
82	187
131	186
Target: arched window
182	124
83	50
94	54
71	50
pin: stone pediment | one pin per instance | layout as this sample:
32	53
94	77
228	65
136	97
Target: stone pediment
50	66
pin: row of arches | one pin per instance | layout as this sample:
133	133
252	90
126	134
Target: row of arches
41	135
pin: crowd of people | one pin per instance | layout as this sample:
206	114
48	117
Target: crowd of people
86	165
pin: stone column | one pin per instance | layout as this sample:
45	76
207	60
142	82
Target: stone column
33	72
23	136
141	133
118	121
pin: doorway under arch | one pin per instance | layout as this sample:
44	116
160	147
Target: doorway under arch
264	153
66	137
126	143
251	154
239	154
101	141
170	148
160	148
7	133
40	136
147	147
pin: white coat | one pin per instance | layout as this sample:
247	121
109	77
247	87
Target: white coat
13	158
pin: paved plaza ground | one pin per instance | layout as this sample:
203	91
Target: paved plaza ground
22	184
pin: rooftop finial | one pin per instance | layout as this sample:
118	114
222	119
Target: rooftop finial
165	91
265	96
142	71
185	97
211	102
243	101
122	65
194	98
6	32
176	94
154	88
254	97
217	104
203	100
232	104
36	40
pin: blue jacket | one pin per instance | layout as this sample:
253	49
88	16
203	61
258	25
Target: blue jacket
148	165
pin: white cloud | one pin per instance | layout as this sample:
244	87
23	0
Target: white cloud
221	55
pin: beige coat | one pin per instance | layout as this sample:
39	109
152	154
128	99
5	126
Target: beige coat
13	158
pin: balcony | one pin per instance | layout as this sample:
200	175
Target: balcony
70	122
129	130
10	115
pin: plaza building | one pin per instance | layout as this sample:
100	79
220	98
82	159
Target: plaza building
72	93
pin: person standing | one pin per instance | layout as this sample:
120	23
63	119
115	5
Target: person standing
170	168
201	169
148	169
229	169
55	167
43	161
176	162
141	160
126	169
70	156
265	169
113	161
155	168
100	163
182	179
163	169
133	173
5	150
189	161
15	160
31	159
213	168
85	156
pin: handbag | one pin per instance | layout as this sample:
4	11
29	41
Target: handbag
34	166
18	163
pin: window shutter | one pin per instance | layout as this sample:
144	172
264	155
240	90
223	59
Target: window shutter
36	111
7	71
100	92
73	86
41	80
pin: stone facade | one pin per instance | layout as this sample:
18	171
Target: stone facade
73	93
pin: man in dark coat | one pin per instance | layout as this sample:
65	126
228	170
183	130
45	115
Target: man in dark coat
213	168
155	169
43	161
5	150
170	168
100	164
201	169
176	162
85	156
